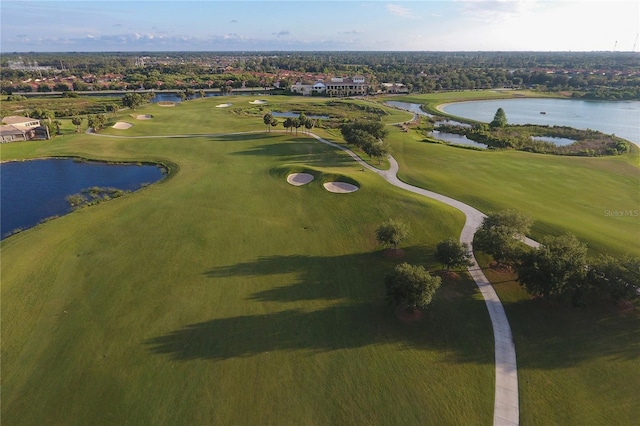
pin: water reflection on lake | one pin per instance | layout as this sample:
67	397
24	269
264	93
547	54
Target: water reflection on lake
291	114
455	139
621	118
417	109
553	140
31	191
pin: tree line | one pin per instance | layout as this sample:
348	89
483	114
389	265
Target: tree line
593	75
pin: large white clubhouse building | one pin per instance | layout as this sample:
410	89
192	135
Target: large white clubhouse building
337	86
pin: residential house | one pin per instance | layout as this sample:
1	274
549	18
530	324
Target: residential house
16	128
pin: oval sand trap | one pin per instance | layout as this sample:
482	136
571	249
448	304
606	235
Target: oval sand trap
122	125
166	104
144	117
223	105
258	102
340	187
299	179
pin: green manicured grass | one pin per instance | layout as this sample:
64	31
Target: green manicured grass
225	295
562	194
587	358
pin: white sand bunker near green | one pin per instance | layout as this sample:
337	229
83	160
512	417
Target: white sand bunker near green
144	117
258	102
299	179
122	125
223	105
340	187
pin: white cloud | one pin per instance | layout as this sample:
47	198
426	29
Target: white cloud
495	11
401	11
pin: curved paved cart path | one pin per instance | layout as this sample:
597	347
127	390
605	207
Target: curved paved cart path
506	409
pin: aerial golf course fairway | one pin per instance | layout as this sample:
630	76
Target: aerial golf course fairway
225	295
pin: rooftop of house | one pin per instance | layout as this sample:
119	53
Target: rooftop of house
16	119
9	129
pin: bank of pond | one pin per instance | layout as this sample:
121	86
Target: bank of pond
34	191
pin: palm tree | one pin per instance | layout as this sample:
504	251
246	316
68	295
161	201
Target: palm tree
266	119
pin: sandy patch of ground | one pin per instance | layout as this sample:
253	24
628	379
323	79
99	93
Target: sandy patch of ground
166	104
144	117
298	179
223	105
340	187
122	125
258	102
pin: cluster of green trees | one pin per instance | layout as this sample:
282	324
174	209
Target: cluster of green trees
368	136
96	121
559	269
134	100
412	287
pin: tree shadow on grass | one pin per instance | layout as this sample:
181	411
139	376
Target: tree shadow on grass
322	277
346	326
300	150
456	324
549	335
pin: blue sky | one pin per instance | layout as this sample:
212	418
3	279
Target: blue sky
451	25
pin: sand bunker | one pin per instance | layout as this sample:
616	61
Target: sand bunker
298	179
258	102
340	187
144	117
223	105
166	104
122	125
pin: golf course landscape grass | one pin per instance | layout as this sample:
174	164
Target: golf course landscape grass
225	295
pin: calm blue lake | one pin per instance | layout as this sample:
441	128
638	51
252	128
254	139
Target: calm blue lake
620	118
31	191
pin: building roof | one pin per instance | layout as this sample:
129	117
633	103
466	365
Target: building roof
16	119
6	130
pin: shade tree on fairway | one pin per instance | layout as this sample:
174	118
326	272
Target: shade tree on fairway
77	121
557	268
354	131
453	254
132	100
391	233
96	121
500	235
377	150
615	279
411	287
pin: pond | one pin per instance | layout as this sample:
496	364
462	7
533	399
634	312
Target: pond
621	118
291	114
31	191
554	140
416	109
455	139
